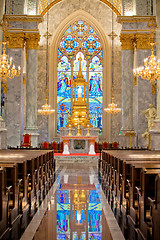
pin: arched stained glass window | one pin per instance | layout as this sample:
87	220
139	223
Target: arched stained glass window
80	39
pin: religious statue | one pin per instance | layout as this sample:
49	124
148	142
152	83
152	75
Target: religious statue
150	114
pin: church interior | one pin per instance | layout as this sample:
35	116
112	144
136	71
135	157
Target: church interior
79	119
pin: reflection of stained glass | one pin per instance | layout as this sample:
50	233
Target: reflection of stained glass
64	216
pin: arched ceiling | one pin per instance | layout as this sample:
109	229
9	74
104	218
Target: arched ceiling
45	5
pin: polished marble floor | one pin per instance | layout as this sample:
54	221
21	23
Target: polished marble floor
76	209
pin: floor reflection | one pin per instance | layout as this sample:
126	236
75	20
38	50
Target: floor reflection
79	210
75	210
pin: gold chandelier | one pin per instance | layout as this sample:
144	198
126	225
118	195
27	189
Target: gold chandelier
112	107
46	108
151	69
7	68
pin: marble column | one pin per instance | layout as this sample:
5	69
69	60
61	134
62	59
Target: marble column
127	92
31	87
2	123
13	116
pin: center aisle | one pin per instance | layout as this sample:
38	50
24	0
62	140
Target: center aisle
77	209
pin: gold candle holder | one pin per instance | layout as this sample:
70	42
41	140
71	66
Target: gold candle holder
149	141
69	134
79	130
88	134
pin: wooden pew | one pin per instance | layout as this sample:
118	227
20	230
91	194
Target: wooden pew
121	181
155	210
4	226
146	189
10	210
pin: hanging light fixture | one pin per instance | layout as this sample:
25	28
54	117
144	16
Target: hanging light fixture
151	69
7	68
46	109
112	107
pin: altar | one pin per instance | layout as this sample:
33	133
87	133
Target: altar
79	135
79	144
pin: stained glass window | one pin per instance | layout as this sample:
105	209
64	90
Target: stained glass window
79	39
63	93
95	92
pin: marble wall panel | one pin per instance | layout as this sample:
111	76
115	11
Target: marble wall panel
141	7
15	7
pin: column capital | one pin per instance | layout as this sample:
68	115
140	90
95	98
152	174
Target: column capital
143	40
15	40
127	41
32	40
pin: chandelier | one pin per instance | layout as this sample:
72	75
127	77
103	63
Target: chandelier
112	107
7	68
151	69
46	109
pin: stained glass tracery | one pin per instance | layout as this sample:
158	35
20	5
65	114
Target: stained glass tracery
79	39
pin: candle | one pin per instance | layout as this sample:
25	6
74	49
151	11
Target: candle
80	92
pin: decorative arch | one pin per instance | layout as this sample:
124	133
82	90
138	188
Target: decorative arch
45	5
53	62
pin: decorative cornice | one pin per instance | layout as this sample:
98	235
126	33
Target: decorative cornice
32	40
15	40
127	41
122	19
25	18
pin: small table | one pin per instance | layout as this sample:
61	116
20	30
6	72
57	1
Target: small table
91	141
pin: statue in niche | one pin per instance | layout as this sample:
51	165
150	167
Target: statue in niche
150	114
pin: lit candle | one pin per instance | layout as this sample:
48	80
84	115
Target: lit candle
80	92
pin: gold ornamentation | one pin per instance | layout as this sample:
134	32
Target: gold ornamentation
4	85
130	134
129	19
127	41
79	113
7	69
46	109
154	86
32	40
143	40
151	69
24	18
15	40
44	6
112	108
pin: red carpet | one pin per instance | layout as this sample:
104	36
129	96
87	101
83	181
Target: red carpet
75	154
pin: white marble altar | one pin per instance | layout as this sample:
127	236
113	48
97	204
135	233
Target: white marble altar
69	144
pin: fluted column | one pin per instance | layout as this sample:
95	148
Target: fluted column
32	40
127	90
